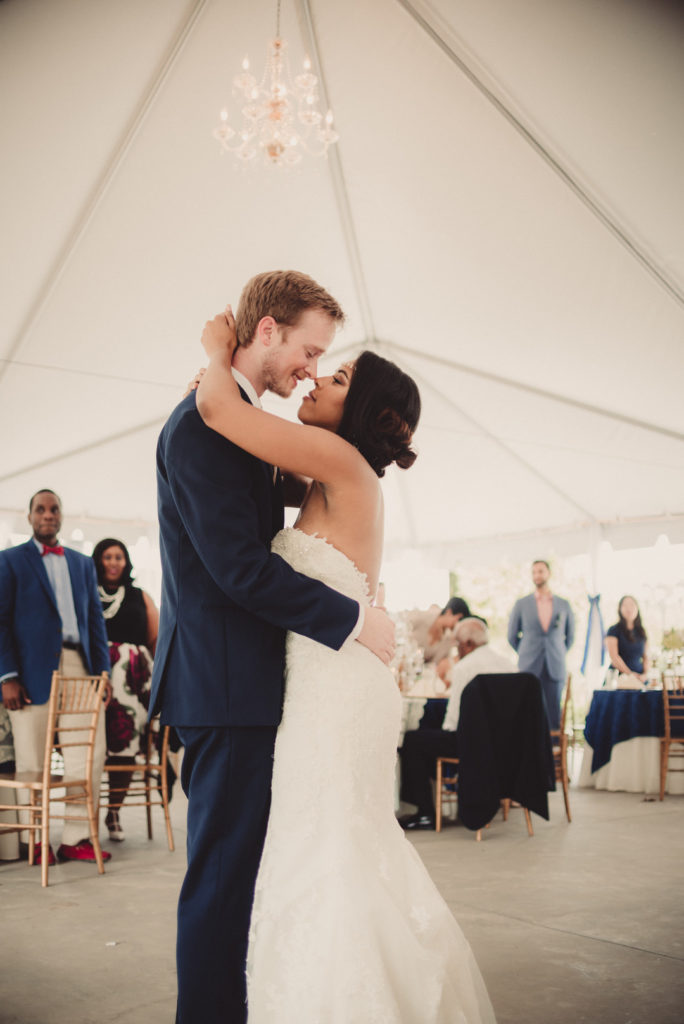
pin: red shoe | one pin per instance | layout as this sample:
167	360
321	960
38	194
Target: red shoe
82	851
37	857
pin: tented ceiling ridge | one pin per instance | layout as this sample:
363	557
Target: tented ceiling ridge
84	519
93	374
532	389
562	539
511	452
96	196
338	178
101	442
446	39
539	444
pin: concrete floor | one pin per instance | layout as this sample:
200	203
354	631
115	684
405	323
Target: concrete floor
581	923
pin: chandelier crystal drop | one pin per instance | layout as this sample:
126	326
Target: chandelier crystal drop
281	120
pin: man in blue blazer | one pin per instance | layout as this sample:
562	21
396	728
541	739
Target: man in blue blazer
226	605
542	629
50	617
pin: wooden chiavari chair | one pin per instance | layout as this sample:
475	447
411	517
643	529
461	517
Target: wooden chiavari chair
559	744
74	710
148	787
673	713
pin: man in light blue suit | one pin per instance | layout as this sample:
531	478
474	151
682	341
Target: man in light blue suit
50	618
542	629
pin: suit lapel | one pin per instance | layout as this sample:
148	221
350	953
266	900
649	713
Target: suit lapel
278	510
271	471
555	610
78	585
74	576
35	560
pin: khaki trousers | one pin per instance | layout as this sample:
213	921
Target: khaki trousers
29	728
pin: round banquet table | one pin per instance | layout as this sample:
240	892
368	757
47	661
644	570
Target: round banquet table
622	750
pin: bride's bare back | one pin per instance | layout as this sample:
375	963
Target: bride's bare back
351	519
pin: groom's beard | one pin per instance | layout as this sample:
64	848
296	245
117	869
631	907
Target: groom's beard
277	388
273	379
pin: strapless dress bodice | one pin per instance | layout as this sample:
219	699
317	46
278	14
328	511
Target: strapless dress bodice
316	557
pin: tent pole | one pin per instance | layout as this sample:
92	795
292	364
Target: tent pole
443	35
595	541
101	187
499	442
339	181
592	671
531	389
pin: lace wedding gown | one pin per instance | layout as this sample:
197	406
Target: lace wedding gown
347	926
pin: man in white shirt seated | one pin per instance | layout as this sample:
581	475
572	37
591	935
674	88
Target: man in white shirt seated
422	747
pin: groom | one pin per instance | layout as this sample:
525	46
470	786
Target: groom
226	605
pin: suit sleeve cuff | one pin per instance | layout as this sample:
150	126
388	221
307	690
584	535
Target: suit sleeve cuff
354	635
8	676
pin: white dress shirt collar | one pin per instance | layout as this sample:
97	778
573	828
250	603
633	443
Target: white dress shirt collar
247	387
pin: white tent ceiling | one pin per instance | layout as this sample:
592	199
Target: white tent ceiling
503	216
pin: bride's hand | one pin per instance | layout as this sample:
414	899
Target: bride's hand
219	336
194	383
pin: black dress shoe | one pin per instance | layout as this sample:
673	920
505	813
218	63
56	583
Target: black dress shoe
416	822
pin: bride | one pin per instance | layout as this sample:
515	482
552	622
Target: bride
347	926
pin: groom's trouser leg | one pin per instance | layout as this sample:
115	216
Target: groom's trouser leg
226	775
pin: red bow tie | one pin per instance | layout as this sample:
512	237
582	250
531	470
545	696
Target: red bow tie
58	550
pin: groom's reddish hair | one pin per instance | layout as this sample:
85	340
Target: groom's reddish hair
284	295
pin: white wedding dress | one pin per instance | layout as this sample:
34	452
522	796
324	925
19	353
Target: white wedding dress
347	926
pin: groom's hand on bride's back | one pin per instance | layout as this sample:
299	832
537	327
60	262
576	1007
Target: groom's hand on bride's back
377	634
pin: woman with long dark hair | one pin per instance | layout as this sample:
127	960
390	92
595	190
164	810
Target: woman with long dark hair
626	641
132	622
346	923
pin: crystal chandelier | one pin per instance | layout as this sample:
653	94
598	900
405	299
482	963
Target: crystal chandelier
281	119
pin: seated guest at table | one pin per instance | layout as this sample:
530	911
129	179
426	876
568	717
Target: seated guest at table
446	666
132	622
441	632
435	632
626	641
422	747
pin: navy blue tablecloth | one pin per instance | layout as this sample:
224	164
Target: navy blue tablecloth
618	715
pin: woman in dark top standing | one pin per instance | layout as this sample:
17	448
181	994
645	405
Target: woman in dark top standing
132	622
626	641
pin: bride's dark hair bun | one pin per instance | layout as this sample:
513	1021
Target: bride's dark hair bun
381	412
394	433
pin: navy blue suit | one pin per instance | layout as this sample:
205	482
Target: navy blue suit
226	605
30	624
